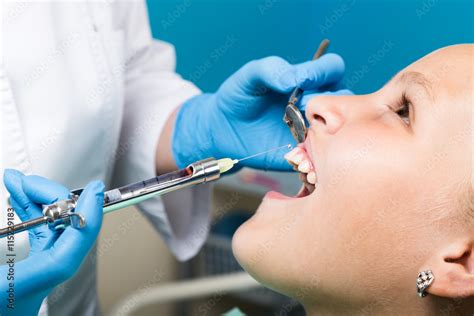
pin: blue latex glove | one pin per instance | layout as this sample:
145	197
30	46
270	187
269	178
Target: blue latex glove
54	257
245	116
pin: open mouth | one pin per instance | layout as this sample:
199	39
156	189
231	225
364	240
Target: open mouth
302	162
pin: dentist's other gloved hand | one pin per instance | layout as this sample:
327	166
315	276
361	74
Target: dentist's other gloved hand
245	116
54	257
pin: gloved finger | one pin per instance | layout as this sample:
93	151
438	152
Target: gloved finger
20	211
277	74
333	87
308	96
326	70
36	235
273	160
25	208
265	74
43	191
278	162
73	244
341	85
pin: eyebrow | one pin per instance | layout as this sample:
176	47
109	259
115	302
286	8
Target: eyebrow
417	78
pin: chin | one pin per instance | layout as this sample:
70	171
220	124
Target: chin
255	258
252	244
240	245
261	245
248	240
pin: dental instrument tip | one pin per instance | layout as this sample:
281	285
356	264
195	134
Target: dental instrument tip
321	49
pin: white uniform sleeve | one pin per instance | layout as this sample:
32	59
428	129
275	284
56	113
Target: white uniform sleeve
153	90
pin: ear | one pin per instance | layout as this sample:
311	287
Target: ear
453	269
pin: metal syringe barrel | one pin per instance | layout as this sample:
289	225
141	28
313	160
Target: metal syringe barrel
206	170
199	172
18	228
62	212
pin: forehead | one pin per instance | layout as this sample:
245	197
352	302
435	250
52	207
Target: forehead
447	70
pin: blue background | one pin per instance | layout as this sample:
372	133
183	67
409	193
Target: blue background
213	38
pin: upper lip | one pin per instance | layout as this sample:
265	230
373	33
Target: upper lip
307	148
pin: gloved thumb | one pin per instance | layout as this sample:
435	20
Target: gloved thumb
325	71
73	244
18	199
309	95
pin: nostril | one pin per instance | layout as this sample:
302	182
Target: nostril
319	118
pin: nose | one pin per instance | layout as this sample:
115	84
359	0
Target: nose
328	112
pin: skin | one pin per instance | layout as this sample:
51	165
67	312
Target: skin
391	200
164	159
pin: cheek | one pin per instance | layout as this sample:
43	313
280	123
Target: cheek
367	185
366	159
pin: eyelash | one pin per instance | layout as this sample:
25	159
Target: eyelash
403	109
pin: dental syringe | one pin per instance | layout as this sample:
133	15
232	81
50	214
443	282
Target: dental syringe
62	213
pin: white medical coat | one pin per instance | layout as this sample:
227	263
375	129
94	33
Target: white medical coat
85	93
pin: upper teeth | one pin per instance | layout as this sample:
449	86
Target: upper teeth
304	166
311	177
297	158
300	160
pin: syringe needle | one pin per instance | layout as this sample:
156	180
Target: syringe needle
262	153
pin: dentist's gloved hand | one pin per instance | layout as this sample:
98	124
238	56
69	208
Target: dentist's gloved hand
54	257
245	116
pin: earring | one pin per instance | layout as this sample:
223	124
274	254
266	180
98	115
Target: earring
424	280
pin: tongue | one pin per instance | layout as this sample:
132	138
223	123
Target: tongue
303	192
277	196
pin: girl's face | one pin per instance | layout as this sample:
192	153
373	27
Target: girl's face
389	166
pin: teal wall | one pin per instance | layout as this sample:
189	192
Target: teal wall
213	38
